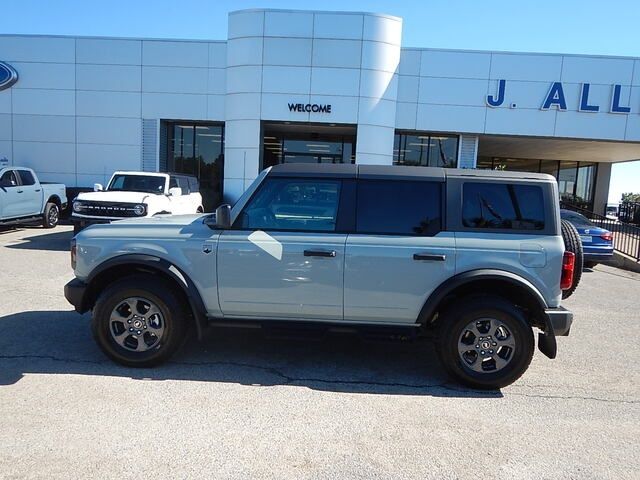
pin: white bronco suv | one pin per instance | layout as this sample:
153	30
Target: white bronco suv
476	259
136	195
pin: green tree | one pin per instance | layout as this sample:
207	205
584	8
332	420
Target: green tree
630	197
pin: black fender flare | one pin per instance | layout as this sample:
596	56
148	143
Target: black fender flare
166	267
54	199
546	341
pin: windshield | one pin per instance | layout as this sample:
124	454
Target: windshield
137	183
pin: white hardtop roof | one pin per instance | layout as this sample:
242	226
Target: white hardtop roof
146	174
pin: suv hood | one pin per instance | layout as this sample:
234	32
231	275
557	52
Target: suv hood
115	196
163	220
157	228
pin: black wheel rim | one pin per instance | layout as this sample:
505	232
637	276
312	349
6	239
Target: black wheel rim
486	345
137	324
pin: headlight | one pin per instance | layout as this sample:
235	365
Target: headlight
77	206
140	209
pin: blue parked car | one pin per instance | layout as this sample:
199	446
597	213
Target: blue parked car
597	242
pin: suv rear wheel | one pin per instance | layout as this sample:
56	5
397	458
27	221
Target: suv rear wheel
485	342
139	321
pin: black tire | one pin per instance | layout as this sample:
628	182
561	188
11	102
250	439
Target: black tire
150	288
453	323
572	243
590	264
51	216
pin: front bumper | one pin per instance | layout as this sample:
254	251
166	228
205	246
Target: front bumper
75	293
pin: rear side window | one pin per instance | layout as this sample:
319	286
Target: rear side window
26	177
180	182
183	183
193	184
502	206
398	207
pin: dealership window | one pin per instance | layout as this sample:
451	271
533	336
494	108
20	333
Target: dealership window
198	149
426	150
282	144
585	182
484	163
550	167
567	175
576	180
398	208
502	206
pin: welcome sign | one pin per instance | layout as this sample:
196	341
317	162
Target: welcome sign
309	107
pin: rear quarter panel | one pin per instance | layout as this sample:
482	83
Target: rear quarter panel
53	189
537	259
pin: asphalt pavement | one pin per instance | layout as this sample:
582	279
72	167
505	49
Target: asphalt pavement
241	405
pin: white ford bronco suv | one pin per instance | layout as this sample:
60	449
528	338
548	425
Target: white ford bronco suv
24	199
137	194
475	258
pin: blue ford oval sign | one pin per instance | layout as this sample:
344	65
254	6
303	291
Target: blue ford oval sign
8	75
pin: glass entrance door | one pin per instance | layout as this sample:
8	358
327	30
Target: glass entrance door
308	144
198	149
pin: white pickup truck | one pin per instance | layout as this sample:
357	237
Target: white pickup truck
136	195
24	199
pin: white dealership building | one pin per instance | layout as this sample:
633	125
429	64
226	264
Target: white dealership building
304	86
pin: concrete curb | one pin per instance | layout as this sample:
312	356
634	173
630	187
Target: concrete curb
624	262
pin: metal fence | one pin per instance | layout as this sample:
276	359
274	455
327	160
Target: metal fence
629	212
626	237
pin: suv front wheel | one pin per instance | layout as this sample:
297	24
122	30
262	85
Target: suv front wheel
485	342
139	321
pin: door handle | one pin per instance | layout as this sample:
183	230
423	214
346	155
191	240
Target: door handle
37	190
319	253
20	191
429	256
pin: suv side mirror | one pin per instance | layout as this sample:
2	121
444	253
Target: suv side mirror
97	187
175	191
223	217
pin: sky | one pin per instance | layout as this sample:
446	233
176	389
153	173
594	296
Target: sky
553	26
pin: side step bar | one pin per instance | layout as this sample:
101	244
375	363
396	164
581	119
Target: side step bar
19	221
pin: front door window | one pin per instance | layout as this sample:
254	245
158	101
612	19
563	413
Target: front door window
293	205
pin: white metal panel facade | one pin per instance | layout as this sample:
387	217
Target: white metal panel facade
77	110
